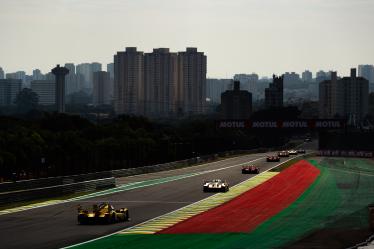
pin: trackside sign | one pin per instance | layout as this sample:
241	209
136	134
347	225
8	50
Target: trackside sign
264	124
232	124
283	124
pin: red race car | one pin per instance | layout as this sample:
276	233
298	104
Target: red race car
273	159
301	151
250	170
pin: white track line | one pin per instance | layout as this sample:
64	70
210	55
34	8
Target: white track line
196	166
162	202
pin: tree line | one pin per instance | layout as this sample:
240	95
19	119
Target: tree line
50	144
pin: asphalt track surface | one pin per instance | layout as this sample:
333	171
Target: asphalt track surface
56	226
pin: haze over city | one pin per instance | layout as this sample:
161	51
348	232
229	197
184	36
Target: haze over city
238	36
128	124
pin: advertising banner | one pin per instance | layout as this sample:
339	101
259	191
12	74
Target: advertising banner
282	124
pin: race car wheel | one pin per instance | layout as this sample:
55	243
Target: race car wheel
127	217
113	219
108	219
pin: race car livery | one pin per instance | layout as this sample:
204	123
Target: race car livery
216	185
251	169
292	152
283	153
103	213
272	159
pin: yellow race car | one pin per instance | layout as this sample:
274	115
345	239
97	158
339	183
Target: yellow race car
103	213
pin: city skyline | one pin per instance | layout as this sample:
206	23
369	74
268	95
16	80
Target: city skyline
266	38
31	72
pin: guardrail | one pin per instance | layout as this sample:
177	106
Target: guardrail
54	181
345	153
27	190
53	191
178	164
51	181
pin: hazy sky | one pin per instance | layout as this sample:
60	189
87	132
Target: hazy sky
238	36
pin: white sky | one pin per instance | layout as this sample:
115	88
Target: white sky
238	36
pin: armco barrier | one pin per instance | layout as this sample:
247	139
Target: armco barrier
56	186
178	164
59	190
51	181
344	153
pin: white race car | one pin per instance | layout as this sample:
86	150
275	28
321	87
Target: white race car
216	185
283	153
292	152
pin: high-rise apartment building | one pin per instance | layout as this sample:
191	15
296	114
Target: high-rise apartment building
71	80
110	70
274	93
160	83
326	98
191	93
37	75
290	79
49	76
19	75
344	98
2	74
248	82
129	82
236	103
102	90
46	90
307	76
367	72
9	89
356	97
85	72
214	89
96	67
60	73
322	75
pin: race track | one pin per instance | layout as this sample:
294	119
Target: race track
56	225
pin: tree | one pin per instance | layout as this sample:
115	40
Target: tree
26	100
